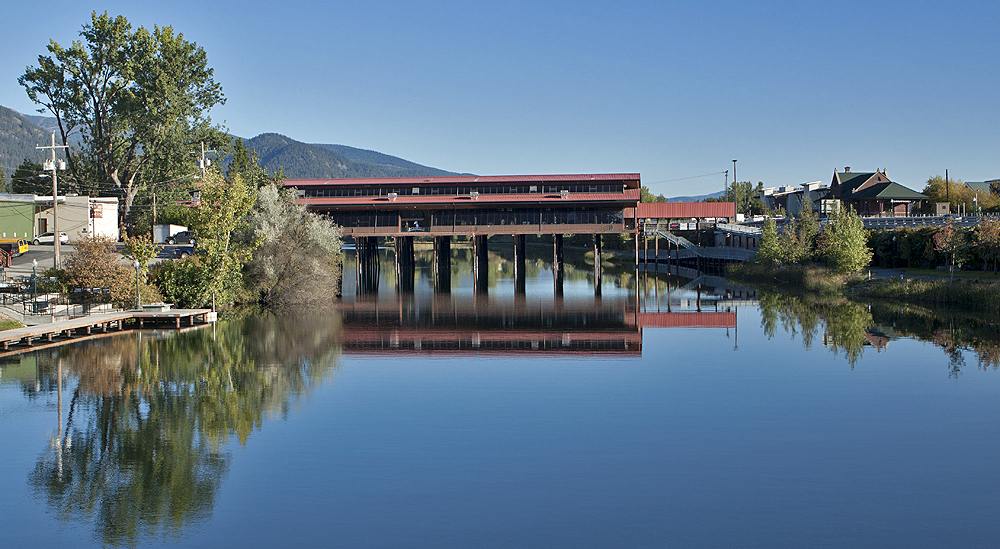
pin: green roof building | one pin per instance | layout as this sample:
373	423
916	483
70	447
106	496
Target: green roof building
872	194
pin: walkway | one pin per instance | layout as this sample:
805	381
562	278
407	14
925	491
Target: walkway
103	323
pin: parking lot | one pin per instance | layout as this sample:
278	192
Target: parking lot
44	254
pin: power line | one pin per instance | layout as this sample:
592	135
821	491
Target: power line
685	178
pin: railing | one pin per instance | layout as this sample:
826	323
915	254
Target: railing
20	298
676	239
483	228
739	229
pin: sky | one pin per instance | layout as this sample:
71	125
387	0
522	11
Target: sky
674	91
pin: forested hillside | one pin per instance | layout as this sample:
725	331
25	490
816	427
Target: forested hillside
18	138
305	161
20	133
379	159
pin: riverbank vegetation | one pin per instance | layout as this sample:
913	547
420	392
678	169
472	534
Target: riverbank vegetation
848	327
799	260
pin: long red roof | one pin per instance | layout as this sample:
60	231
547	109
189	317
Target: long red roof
466	179
682	210
629	195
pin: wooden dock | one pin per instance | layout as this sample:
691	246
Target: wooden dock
63	330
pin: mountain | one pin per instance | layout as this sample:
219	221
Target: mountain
20	133
47	123
309	161
385	160
18	138
699	198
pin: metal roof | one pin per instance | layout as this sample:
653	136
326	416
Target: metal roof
629	195
682	210
465	179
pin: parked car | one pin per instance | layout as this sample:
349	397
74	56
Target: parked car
184	252
14	246
49	238
184	237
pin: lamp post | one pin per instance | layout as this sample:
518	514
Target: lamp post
34	286
138	298
734	186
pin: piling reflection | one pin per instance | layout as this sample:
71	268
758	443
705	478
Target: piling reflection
475	324
142	453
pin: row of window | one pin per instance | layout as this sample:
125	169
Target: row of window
426	220
460	190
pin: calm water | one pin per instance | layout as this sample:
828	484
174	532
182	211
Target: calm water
669	418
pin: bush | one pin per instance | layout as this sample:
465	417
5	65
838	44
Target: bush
96	263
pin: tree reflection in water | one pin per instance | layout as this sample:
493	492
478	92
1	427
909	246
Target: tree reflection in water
851	327
142	454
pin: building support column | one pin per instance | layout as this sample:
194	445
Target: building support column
480	263
597	264
519	265
656	251
442	264
669	254
645	252
557	263
637	250
404	264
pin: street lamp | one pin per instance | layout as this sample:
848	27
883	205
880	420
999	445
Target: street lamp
138	298
734	186
34	286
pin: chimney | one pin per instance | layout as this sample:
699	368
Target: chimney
847	169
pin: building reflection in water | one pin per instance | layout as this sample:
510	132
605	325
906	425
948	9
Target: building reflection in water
472	324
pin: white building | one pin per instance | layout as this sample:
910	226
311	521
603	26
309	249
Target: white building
793	199
79	216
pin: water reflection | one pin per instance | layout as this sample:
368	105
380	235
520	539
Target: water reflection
481	324
142	451
852	328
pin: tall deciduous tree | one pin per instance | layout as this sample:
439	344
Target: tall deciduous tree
298	259
987	235
956	192
140	98
953	243
846	247
746	197
647	196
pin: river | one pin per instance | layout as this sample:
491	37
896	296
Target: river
665	412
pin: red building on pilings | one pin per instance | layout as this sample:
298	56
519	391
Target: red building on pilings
474	205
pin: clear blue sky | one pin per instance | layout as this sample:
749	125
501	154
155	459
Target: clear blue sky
668	89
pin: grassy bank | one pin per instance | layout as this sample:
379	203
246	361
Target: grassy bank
7	323
793	278
966	294
975	295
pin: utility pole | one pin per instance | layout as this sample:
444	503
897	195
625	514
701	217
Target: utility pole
204	163
53	165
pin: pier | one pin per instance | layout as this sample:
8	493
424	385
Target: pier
63	330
